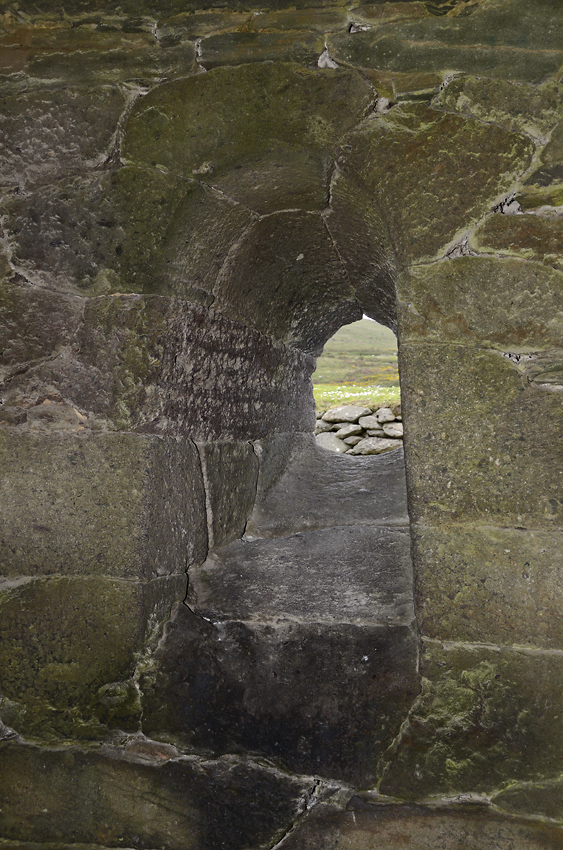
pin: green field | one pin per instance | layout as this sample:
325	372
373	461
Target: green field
359	363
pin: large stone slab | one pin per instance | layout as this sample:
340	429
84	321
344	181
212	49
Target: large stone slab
144	795
302	487
85	503
68	645
528	236
386	826
360	575
315	698
489	585
487	717
511	304
494	459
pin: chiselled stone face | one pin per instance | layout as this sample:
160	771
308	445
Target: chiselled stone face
199	608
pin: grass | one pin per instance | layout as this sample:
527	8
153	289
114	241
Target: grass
329	395
358	365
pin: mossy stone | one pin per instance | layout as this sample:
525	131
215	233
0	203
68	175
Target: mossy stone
254	105
64	638
510	40
507	303
99	504
489	585
480	439
530	237
238	48
485	717
535	798
421	167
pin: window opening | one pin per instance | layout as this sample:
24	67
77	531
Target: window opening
357	393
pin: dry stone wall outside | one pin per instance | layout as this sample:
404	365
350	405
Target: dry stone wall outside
355	430
208	636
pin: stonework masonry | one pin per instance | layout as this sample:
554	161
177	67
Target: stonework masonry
213	632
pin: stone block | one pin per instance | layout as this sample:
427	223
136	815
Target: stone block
543	799
64	639
375	446
490	585
145	795
399	154
493	459
507	303
301	487
238	48
99	504
230	474
530	237
352	574
315	698
331	443
486	717
387	826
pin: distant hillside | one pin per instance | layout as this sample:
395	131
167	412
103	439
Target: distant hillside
363	352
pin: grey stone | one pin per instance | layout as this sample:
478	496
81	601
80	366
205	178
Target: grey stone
393	429
317	699
385	414
145	794
373	446
322	426
375	432
350	430
331	443
301	487
370	421
352	441
351	574
345	413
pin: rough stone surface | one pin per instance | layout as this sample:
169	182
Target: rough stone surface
338	575
331	443
487	716
301	488
345	413
230	473
64	638
272	690
144	795
373	446
486	584
99	504
386	826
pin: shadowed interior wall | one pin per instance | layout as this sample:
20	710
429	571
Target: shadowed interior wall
192	202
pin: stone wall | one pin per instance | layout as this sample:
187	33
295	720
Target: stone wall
355	430
207	629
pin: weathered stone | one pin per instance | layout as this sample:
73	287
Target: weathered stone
348	574
385	414
331	443
399	154
301	487
352	441
510	41
274	691
119	505
171	367
346	413
544	187
316	110
370	421
532	109
533	798
494	459
144	795
322	427
373	446
230	474
237	48
490	585
393	429
357	226
46	134
386	826
486	717
375	432
65	638
527	236
508	303
349	430
285	279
